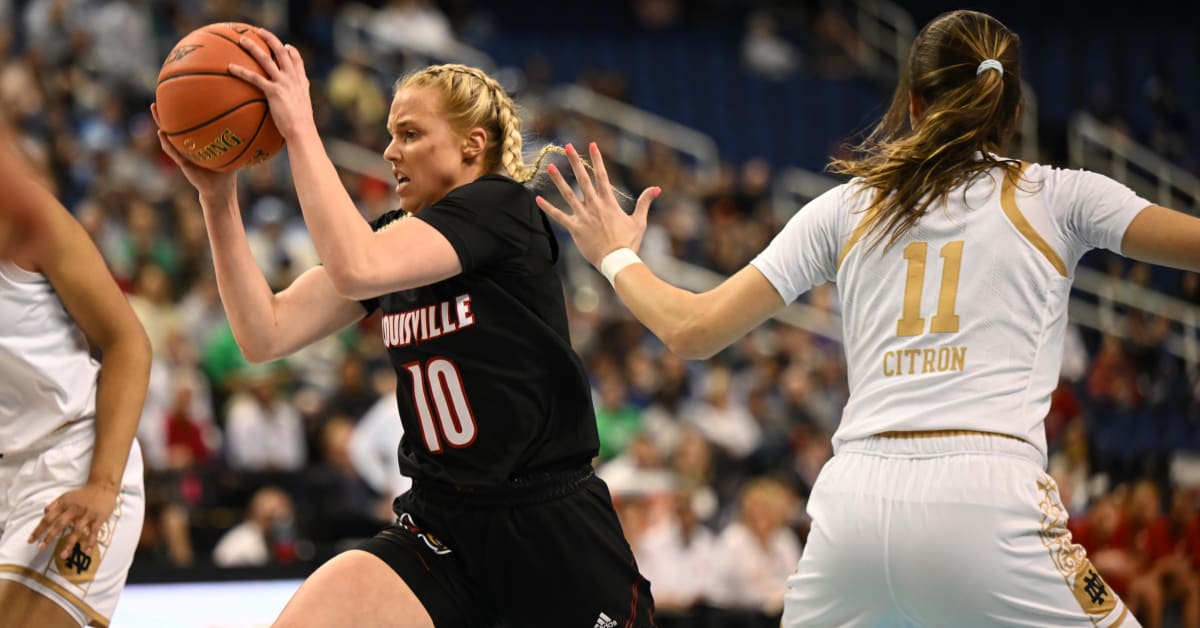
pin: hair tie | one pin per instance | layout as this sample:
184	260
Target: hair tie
990	64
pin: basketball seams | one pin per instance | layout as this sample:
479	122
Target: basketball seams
218	117
184	74
247	52
222	36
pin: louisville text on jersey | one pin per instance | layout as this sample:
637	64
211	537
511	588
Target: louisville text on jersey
427	322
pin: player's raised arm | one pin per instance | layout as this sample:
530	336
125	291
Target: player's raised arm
1160	235
691	325
266	325
360	264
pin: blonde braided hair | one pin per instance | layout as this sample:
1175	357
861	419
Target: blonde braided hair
472	99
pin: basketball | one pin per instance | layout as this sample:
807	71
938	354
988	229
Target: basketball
217	120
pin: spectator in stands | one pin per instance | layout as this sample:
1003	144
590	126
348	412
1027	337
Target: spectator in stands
264	431
200	310
353	396
1115	550
677	554
373	449
1070	465
724	420
166	539
664	416
641	461
152	302
278	242
765	52
754	555
695	468
122	44
263	536
349	507
192	437
1180	569
145	242
413	27
617	420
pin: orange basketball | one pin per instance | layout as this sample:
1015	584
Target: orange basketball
214	118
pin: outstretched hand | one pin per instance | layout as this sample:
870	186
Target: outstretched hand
285	85
597	223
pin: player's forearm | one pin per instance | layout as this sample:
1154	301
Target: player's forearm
340	235
246	296
121	391
667	311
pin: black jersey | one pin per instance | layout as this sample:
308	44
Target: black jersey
489	386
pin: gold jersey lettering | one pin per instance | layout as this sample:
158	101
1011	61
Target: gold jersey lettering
922	361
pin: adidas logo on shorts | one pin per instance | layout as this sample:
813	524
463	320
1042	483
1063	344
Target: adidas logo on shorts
604	621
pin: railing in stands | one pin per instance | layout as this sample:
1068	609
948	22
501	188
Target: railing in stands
889	31
1093	145
639	123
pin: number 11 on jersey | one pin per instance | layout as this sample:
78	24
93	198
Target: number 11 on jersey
911	322
456	421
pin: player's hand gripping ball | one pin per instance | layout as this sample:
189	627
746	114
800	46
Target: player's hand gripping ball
213	118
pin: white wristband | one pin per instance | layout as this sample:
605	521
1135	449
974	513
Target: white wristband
616	261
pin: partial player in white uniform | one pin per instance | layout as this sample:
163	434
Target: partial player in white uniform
71	498
953	267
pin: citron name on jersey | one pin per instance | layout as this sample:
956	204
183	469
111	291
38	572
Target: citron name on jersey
427	322
921	361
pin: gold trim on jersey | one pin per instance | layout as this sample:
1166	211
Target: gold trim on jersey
1008	202
859	231
21	570
917	434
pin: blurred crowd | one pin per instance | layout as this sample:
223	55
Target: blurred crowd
709	462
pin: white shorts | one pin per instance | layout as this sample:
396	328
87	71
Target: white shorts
951	530
87	587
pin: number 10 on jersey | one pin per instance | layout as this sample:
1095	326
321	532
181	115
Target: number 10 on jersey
440	381
911	322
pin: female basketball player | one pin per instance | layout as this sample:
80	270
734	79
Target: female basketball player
954	267
505	521
71	495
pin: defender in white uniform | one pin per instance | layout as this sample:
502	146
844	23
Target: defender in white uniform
71	499
953	267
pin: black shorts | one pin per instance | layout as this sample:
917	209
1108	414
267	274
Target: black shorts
544	552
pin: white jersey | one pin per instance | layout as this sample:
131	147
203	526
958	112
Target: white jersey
959	325
47	377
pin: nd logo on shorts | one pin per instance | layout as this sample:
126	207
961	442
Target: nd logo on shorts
80	567
431	541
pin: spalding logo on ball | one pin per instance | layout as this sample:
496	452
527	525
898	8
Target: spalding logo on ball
214	118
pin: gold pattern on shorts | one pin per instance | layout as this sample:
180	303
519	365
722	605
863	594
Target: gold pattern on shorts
1070	559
